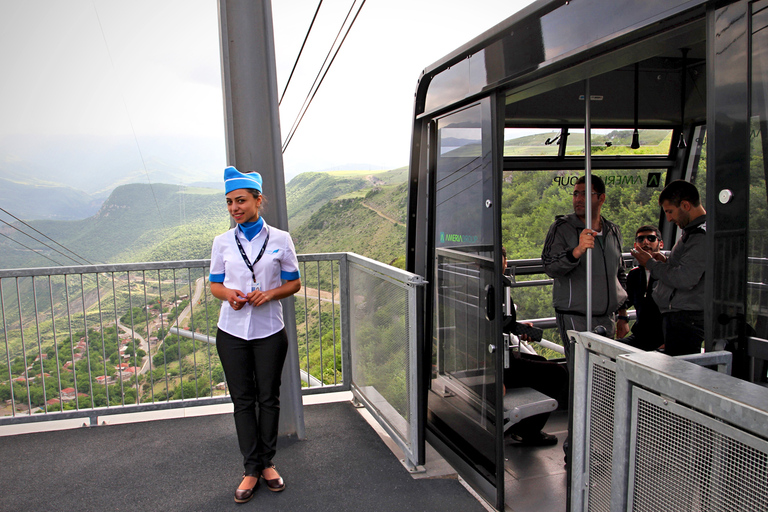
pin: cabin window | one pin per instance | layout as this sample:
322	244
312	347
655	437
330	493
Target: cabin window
613	142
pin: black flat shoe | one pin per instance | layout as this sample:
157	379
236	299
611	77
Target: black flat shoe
245	495
276	484
540	439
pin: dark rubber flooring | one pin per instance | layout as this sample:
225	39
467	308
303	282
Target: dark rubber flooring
193	464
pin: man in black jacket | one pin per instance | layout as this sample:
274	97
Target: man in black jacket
646	331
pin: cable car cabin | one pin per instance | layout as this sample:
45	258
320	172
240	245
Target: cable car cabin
638	93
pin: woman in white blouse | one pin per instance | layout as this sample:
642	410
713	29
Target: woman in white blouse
253	266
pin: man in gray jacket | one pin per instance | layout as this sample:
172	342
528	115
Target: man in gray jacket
679	290
564	257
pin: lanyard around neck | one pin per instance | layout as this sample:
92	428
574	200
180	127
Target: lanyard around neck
245	257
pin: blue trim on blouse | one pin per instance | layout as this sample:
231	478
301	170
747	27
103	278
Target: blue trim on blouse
290	276
251	229
216	278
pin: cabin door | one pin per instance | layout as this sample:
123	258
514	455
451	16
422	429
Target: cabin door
465	392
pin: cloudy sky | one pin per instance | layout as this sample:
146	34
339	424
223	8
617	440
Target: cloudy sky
149	70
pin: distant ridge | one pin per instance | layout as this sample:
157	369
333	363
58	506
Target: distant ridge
161	222
136	223
41	200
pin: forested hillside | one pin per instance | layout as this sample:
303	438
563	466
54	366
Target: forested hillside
309	191
350	225
33	199
136	223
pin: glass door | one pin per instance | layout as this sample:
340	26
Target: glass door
465	393
757	239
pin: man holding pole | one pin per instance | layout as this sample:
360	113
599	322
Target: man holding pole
565	260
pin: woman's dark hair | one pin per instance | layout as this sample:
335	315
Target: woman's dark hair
256	194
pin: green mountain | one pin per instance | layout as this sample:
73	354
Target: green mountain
136	223
356	211
309	191
34	199
350	225
141	222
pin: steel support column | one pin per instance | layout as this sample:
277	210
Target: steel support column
249	83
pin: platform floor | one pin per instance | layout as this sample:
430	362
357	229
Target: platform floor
193	464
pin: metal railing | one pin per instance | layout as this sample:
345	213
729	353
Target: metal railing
85	341
693	439
384	344
90	341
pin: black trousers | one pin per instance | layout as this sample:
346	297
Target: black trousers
253	369
683	332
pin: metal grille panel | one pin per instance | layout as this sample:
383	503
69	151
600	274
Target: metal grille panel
603	389
379	327
684	460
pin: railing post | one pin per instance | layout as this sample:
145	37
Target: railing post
346	340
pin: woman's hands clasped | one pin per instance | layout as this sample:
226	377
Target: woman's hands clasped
256	298
235	298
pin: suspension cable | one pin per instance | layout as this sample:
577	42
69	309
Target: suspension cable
46	236
31	249
300	52
311	94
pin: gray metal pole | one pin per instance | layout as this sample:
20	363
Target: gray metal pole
252	126
588	194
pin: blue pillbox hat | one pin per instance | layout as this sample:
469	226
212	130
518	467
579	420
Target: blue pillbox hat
234	179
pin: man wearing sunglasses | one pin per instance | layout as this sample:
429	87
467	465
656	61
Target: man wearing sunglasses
646	331
679	288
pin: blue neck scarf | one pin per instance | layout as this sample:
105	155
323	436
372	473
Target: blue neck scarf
251	229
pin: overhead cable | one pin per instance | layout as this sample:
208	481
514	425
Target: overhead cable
31	249
46	236
128	114
38	241
316	85
300	52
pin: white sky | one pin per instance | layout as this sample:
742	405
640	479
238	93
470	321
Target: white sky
152	68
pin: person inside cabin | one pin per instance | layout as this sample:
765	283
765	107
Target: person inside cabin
679	287
530	370
646	332
253	266
565	260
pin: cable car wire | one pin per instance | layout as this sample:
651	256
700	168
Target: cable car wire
31	249
46	236
316	85
38	241
300	52
130	121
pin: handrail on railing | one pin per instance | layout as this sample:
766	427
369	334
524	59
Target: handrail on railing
94	340
82	341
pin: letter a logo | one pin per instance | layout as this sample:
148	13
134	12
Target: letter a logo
442	237
654	179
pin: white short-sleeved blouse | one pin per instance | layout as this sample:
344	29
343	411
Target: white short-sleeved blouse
278	263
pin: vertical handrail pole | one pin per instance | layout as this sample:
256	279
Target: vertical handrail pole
588	195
